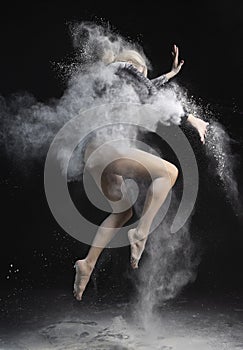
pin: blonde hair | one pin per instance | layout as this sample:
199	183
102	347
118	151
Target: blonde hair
131	56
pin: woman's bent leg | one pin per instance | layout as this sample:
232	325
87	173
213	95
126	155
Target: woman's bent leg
156	195
163	175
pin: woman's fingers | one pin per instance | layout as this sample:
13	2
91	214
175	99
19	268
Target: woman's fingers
203	132
181	63
176	51
175	55
206	127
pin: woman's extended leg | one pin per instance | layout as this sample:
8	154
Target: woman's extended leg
111	187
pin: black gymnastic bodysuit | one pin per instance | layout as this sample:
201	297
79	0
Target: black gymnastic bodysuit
144	87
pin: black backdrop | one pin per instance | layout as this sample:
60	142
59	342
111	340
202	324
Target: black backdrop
34	250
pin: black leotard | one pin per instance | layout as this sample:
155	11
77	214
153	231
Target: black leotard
144	87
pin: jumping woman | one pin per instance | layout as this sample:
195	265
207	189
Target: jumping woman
132	163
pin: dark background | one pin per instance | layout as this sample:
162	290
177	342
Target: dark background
35	34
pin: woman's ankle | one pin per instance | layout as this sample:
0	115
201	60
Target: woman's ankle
90	262
142	233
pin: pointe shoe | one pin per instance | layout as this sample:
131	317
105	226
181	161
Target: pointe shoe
134	263
81	280
137	247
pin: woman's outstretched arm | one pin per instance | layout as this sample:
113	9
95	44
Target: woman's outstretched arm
175	69
176	66
198	124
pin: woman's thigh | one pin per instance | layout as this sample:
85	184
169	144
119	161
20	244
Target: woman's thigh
137	163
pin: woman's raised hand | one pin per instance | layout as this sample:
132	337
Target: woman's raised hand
176	66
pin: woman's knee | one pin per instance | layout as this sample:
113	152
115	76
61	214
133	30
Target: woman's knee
113	194
171	171
174	172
